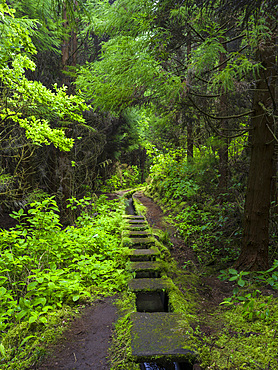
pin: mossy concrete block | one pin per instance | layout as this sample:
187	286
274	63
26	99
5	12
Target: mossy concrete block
138	221
133	217
136	227
138	243
144	266
149	284
144	254
141	243
158	334
138	233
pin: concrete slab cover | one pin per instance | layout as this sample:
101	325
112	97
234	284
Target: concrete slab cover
143	242
134	217
139	233
151	284
145	252
136	227
138	221
157	334
144	266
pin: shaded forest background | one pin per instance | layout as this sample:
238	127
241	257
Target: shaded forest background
179	94
175	98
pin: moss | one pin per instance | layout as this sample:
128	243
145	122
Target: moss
144	266
243	343
136	233
164	252
21	352
165	338
238	340
139	208
137	227
120	356
128	242
152	251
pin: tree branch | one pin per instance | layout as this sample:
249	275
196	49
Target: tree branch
233	39
220	118
225	61
204	96
197	33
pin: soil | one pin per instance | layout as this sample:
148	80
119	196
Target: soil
87	340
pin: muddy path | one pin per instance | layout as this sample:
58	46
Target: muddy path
87	340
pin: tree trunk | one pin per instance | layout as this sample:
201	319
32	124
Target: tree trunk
66	43
223	150
190	144
254	252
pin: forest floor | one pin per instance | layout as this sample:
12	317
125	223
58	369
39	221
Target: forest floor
87	340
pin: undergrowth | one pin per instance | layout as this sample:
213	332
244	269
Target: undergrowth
120	353
47	271
243	341
244	327
124	177
186	191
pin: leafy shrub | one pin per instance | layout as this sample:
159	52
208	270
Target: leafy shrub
186	190
125	177
44	266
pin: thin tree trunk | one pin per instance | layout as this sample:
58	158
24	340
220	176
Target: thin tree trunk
190	145
224	143
190	142
66	43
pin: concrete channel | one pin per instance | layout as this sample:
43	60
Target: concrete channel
157	341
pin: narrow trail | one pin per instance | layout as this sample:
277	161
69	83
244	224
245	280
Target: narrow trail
87	340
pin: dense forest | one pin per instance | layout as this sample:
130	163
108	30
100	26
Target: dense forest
176	98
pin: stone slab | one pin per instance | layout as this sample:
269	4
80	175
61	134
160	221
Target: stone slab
141	254
148	284
157	334
141	242
138	243
138	233
133	217
141	222
136	227
144	266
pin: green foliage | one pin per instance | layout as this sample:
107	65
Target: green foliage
247	338
184	188
207	54
44	266
124	74
120	355
125	177
15	34
50	33
268	277
28	103
129	71
252	307
236	276
171	174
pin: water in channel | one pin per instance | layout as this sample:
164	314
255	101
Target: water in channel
154	366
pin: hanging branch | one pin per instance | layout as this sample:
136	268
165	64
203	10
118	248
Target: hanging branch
204	96
220	118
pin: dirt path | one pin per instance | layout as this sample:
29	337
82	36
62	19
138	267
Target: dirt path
86	342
